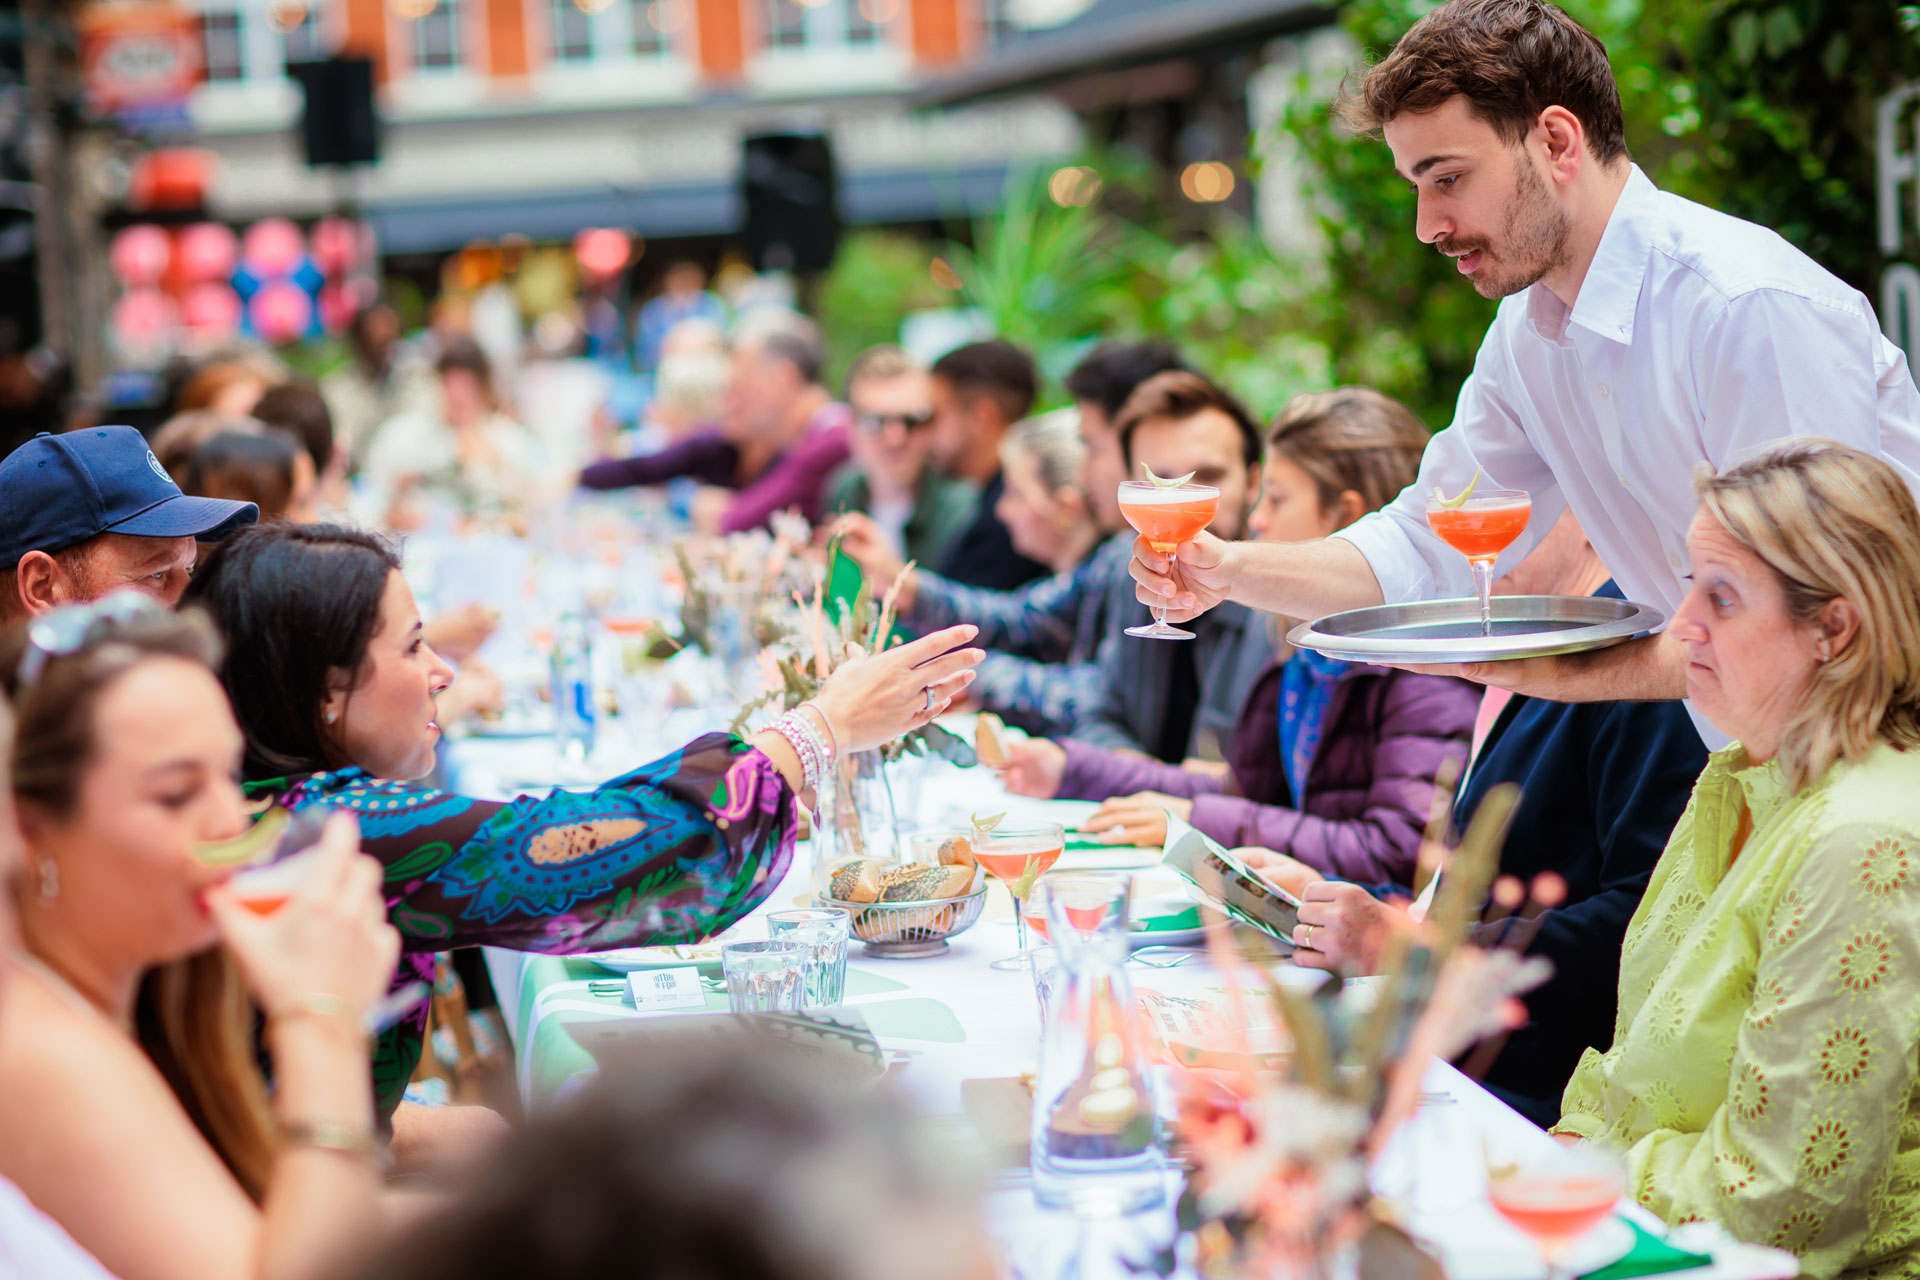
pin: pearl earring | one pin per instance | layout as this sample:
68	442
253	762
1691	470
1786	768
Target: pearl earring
49	880
332	716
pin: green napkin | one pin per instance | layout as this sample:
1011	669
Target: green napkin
1172	921
1650	1256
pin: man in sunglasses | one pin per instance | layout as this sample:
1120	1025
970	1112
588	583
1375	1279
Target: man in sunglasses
914	508
92	511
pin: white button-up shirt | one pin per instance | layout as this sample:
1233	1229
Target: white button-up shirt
1696	338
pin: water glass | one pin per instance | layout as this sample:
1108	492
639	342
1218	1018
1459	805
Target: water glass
823	932
764	977
1044	965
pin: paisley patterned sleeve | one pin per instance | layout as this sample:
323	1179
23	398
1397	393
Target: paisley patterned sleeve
673	852
1808	1153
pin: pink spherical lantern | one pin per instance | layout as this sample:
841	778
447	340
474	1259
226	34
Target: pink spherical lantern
602	251
338	245
272	247
143	319
211	311
206	251
139	256
338	303
281	311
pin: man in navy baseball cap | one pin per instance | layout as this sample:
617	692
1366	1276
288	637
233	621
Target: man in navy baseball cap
88	512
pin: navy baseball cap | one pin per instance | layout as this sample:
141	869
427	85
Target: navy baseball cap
58	491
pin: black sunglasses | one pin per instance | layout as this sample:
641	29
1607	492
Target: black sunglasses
874	423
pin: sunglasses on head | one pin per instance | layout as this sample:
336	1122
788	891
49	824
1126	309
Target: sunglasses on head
71	628
874	423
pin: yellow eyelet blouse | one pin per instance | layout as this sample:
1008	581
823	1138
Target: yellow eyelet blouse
1763	1069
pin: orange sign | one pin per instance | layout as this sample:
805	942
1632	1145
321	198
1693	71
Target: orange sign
138	55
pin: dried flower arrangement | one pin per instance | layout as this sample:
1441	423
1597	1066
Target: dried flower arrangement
1280	1153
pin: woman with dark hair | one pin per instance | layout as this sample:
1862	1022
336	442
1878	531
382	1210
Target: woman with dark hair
334	688
130	1091
268	468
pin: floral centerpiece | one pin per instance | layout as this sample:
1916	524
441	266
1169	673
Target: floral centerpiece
1279	1153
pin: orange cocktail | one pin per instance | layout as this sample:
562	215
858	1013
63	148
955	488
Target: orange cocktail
1480	525
1166	516
1556	1198
1013	855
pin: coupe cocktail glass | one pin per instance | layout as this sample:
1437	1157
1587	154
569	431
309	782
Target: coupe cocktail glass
1007	854
1480	528
1166	516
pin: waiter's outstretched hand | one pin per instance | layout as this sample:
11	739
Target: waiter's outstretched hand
1188	589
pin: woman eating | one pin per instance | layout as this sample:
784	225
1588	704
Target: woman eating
1763	1068
335	691
133	1108
1332	762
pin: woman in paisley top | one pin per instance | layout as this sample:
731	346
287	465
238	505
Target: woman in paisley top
1765	1068
334	689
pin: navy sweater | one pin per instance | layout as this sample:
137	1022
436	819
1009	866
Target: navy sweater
1602	784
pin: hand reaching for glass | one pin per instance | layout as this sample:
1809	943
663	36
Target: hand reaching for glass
1201	581
871	699
330	940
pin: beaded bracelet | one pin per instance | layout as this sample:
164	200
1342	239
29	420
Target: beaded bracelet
833	737
805	741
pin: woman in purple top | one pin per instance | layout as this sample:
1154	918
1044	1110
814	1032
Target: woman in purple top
1331	762
783	435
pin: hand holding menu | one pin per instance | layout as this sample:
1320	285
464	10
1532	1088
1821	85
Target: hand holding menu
1230	884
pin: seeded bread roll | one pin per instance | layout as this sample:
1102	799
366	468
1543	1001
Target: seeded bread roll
855	880
990	741
918	882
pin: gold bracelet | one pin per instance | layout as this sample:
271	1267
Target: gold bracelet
335	1136
319	1004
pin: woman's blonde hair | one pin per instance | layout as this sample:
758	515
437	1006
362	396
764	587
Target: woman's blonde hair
1351	438
1834	523
1053	441
192	1016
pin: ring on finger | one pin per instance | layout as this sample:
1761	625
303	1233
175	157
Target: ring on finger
1306	936
929	707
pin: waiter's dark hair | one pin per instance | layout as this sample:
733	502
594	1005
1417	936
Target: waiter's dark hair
297	606
1510	59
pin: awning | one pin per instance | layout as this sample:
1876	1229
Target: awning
662	212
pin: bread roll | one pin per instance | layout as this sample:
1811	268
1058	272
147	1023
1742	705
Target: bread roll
956	851
918	882
990	741
855	880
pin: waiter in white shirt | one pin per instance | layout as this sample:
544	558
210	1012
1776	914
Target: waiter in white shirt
1641	335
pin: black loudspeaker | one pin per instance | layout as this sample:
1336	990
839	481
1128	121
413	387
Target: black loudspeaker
339	125
791	199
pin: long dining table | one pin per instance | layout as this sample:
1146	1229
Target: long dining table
951	1018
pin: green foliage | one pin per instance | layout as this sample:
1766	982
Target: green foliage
877	279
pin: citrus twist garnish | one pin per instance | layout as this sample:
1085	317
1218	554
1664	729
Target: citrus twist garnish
1159	483
1030	872
1460	500
982	826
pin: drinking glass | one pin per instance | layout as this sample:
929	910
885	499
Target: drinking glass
1556	1197
1166	517
265	883
1480	529
1007	854
764	977
823	932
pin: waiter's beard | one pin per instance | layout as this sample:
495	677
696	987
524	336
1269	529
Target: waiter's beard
1533	240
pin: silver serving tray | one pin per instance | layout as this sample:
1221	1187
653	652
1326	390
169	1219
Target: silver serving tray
1449	630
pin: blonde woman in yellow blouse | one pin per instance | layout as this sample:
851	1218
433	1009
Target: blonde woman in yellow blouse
1763	1073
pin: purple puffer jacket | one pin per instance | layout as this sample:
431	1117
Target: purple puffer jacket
1369	787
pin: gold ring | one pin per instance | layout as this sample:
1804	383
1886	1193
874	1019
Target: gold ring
1306	938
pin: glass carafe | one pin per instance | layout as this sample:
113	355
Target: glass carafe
1096	1148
